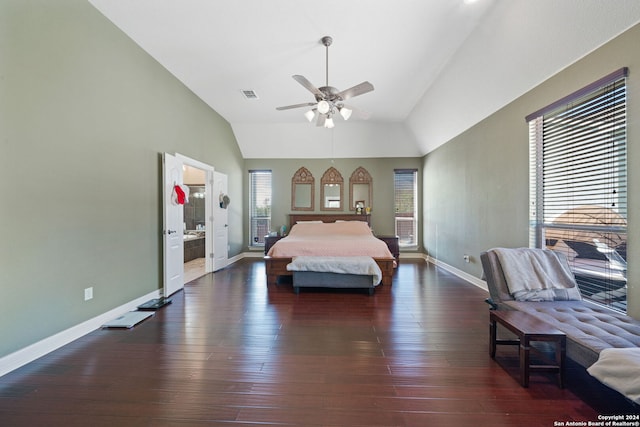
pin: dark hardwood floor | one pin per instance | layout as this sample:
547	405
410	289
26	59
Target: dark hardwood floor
231	351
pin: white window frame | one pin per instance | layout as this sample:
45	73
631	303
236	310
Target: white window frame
402	215
260	200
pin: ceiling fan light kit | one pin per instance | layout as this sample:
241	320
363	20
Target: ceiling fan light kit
345	112
310	115
328	99
329	123
323	107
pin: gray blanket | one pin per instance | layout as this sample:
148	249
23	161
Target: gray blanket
536	274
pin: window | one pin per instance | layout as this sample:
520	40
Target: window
259	206
405	185
578	187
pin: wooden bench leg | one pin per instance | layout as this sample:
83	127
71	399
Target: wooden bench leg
561	346
525	362
492	339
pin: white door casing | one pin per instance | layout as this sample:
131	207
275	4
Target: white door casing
172	227
209	227
220	223
211	199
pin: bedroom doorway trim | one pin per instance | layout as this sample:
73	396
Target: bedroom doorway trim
208	212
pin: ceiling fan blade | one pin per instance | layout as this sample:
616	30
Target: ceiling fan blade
289	107
308	85
321	119
356	90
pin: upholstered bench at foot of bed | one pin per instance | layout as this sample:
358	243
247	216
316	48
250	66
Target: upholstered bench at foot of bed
277	266
313	279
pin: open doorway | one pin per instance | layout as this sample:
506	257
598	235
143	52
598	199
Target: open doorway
195	224
200	176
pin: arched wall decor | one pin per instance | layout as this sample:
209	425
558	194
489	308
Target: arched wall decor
360	189
302	190
331	189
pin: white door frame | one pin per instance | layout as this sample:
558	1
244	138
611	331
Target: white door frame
208	210
220	223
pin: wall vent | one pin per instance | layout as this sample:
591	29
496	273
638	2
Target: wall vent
250	94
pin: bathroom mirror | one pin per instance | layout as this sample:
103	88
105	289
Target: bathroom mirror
331	190
360	188
302	190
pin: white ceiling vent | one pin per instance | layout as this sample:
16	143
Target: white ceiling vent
250	94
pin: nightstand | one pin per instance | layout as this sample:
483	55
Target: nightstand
270	241
392	244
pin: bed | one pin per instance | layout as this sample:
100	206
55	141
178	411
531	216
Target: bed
341	235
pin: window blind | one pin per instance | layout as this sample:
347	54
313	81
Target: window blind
259	206
579	186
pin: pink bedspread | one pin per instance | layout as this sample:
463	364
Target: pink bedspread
348	238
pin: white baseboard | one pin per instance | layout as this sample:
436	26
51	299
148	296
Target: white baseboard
252	254
34	351
412	255
461	274
235	259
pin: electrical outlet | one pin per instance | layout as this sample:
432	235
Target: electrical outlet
88	293
466	258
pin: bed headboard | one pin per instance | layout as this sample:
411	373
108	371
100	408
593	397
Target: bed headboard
293	218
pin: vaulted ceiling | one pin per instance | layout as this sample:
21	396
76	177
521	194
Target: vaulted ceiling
438	66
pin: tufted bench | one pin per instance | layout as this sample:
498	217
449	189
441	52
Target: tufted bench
335	272
590	328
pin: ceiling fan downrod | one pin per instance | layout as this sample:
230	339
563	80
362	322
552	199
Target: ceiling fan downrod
326	41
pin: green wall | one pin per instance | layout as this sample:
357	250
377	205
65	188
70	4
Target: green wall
476	186
380	169
84	116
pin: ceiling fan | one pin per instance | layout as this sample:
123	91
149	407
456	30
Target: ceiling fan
329	100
